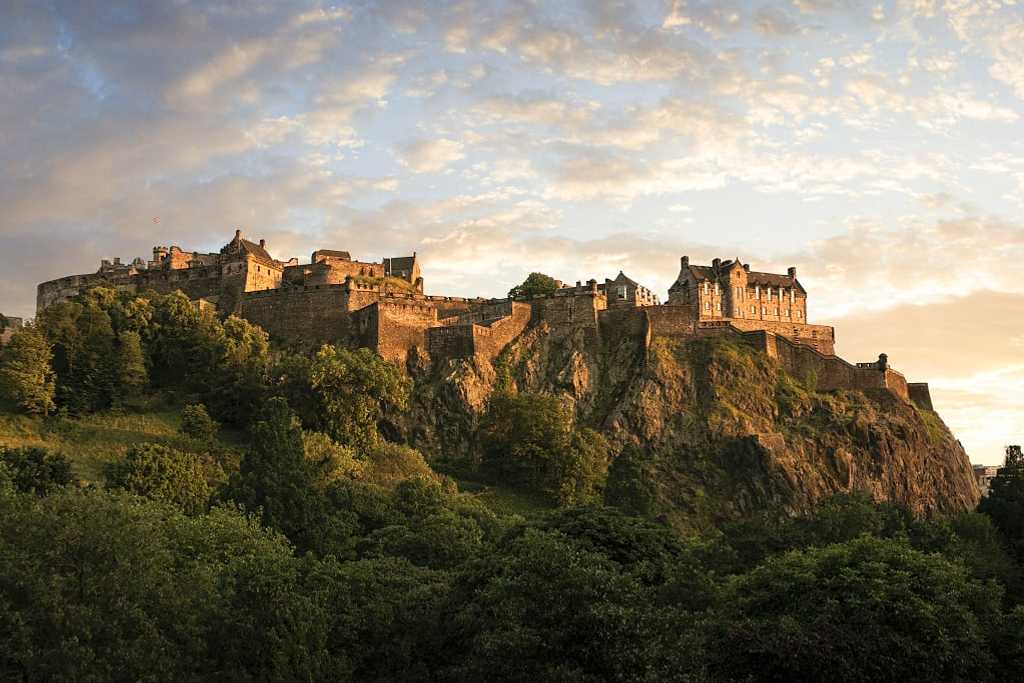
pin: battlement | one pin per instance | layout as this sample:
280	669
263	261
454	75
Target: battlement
337	299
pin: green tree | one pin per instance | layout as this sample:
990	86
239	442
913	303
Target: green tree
865	610
197	423
36	470
100	586
276	479
529	441
542	608
356	389
631	486
132	374
535	283
1004	503
161	473
26	377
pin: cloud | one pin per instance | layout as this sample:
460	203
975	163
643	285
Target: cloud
967	348
429	156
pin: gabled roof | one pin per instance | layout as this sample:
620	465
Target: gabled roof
621	278
258	253
772	280
754	278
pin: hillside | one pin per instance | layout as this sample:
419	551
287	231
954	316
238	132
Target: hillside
719	429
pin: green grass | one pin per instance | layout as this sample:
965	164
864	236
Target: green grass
92	441
505	501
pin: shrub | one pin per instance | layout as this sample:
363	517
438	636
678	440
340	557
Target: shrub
197	423
161	473
36	470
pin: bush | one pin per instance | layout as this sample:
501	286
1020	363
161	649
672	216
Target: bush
35	470
197	423
161	473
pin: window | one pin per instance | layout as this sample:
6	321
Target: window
753	310
622	292
764	310
707	305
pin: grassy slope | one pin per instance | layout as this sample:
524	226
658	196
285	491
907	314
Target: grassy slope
92	441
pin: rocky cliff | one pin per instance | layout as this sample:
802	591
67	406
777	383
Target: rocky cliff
721	430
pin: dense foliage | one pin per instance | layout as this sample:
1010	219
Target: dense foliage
531	441
26	377
330	553
534	284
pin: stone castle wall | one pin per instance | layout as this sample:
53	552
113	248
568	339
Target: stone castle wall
310	315
921	395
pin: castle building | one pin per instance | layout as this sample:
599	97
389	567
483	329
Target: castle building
224	277
381	305
748	300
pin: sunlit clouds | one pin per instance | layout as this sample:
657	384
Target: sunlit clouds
876	146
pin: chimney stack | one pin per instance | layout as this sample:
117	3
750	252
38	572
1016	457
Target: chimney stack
746	267
792	272
263	244
684	262
238	234
716	263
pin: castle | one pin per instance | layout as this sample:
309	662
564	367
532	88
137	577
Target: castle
334	298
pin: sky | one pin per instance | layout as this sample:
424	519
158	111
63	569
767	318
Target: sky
876	146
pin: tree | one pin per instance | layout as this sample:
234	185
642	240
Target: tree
26	377
356	389
161	473
534	284
868	609
276	479
1005	501
630	484
542	608
132	374
529	441
197	423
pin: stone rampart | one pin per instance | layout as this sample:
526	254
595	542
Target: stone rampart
828	372
670	321
311	315
921	395
568	308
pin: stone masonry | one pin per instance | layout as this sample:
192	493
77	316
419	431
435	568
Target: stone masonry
381	305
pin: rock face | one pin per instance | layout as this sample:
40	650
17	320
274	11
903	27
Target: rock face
722	431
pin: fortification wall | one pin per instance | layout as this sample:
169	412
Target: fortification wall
310	315
821	337
670	321
451	341
402	324
830	373
921	395
569	308
490	340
